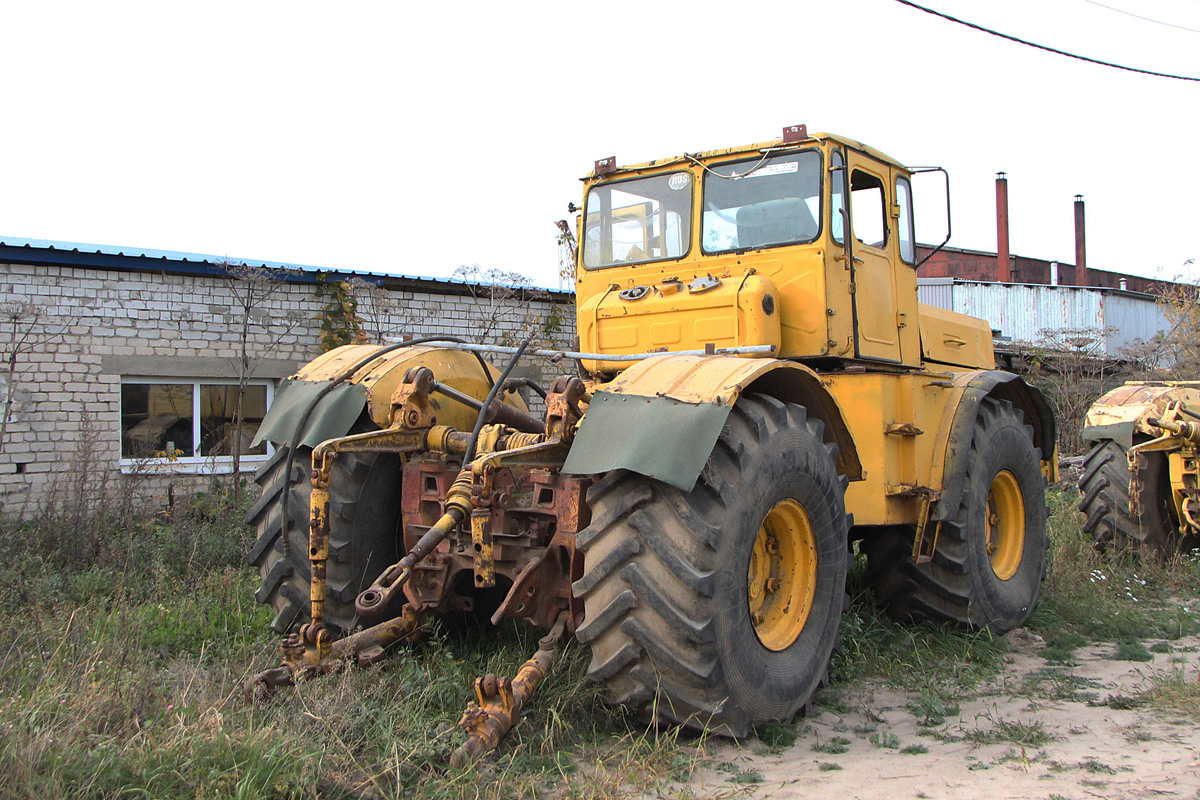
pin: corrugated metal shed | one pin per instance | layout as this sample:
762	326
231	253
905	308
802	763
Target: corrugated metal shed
1026	312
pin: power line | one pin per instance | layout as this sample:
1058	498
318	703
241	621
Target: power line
1044	47
1139	16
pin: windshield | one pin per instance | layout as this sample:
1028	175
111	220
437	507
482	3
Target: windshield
762	202
646	219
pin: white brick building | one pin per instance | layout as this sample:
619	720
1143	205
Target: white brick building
126	359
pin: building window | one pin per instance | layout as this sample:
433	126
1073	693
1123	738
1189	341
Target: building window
190	424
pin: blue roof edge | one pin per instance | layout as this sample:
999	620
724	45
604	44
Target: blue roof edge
20	250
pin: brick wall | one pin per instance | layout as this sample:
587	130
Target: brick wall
970	265
96	326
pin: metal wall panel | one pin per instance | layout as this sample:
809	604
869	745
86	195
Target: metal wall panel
1026	312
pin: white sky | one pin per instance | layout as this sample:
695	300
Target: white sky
414	137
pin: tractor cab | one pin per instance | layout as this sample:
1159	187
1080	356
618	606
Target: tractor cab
805	244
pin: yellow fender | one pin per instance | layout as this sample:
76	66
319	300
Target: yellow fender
661	417
380	369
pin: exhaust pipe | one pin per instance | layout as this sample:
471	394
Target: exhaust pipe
1003	260
1081	276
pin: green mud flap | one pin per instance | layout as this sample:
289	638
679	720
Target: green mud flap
659	437
331	418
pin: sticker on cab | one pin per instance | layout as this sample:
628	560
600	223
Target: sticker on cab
775	169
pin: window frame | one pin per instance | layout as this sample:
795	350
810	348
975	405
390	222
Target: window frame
883	206
197	464
906	214
686	226
840	211
820	195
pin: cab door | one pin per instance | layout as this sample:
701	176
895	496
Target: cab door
877	332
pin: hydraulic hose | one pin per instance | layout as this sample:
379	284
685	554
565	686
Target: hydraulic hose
512	362
512	384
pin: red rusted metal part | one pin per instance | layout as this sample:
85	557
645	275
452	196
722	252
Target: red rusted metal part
532	514
795	133
265	684
411	406
1003	261
498	702
375	599
301	658
562	407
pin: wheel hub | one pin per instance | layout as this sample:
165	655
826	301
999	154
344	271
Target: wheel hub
1004	521
782	575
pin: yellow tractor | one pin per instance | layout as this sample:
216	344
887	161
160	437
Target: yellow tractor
757	392
1141	478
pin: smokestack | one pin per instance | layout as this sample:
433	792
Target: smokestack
1003	262
1054	273
1081	278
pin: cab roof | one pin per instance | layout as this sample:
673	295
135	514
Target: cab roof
749	149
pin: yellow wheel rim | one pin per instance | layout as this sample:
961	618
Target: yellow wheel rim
1005	525
782	575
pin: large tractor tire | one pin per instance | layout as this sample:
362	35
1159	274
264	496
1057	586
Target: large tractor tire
990	559
364	533
718	608
1104	487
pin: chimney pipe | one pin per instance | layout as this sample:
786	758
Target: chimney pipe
1003	262
1054	273
1081	276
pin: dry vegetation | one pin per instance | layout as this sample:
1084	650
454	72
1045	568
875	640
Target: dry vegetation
128	641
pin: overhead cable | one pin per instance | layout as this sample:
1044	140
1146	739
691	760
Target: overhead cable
1139	16
1044	47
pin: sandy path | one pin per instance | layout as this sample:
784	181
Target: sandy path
1097	751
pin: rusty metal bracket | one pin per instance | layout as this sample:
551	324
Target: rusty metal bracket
392	440
923	548
1176	435
499	701
481	539
411	404
562	407
365	647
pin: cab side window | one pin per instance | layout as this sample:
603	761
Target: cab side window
867	209
904	223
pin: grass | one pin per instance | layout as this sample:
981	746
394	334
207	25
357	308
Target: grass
1089	596
1131	650
1030	733
1174	688
834	747
128	641
121	675
932	660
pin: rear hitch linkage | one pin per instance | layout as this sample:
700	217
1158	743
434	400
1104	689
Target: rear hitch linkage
498	701
313	650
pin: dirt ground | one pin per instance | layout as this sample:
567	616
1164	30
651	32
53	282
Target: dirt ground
1083	741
